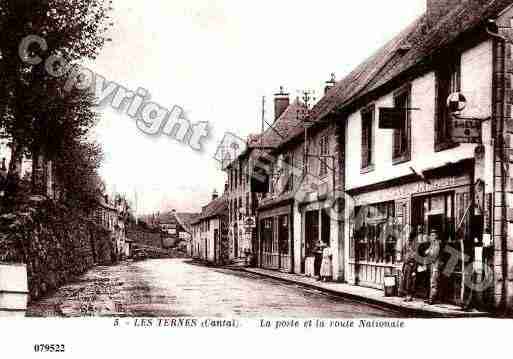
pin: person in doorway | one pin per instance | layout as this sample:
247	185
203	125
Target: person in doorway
318	260
433	257
410	268
326	265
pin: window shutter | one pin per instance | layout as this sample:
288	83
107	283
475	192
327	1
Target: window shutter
397	143
365	144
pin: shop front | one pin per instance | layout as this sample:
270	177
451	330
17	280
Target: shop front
384	215
275	249
316	233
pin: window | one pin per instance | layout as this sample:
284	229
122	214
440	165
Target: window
374	235
402	136
283	234
324	152
288	172
267	235
367	138
448	80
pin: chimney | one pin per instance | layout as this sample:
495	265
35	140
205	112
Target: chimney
437	9
215	195
330	84
281	102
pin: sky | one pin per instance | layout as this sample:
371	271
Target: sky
216	59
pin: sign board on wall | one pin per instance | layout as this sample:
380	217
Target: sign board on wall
466	130
250	222
391	117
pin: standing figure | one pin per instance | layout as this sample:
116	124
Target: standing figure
433	256
410	268
326	266
318	259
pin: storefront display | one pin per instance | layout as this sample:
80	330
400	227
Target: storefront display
275	239
379	230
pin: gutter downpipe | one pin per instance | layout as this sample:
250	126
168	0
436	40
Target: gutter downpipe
498	146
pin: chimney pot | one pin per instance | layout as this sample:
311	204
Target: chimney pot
281	102
330	83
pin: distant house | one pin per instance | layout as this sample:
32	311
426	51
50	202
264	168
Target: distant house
176	227
185	220
112	215
210	232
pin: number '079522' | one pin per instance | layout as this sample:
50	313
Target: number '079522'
49	348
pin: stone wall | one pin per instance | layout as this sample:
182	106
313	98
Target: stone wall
56	244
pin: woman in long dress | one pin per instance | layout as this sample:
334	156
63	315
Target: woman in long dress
326	265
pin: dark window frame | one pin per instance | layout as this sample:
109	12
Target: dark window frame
324	143
449	66
367	142
404	155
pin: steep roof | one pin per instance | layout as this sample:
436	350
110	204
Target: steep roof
186	219
408	49
283	127
166	218
356	81
216	207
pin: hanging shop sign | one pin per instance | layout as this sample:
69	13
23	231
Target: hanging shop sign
466	130
392	118
250	222
456	102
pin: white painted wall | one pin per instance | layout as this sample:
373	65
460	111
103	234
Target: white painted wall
476	81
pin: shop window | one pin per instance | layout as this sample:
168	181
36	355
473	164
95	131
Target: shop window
402	135
367	138
267	234
448	80
284	234
375	237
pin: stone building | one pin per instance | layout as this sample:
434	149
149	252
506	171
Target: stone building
113	216
175	227
297	214
412	164
210	232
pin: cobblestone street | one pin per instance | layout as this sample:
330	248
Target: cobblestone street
178	288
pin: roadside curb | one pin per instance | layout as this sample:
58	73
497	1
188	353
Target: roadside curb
410	312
